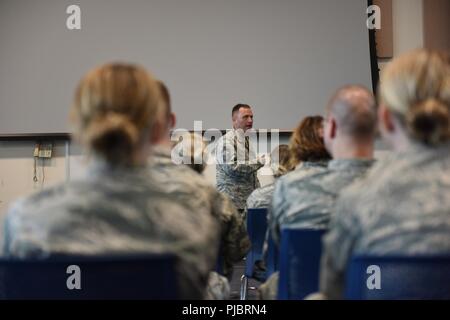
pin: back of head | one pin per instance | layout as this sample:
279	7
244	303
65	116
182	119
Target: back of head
353	107
113	111
166	108
281	160
416	88
306	143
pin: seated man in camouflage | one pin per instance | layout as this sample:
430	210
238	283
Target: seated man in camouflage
402	207
198	195
349	134
281	164
262	197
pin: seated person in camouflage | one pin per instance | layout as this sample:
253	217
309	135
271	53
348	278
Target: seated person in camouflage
281	164
117	208
349	135
237	162
309	156
402	207
262	197
193	190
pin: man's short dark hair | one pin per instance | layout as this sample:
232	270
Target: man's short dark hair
238	106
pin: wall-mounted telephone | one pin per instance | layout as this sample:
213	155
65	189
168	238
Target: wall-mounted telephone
43	150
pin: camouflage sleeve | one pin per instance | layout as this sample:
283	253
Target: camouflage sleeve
276	210
227	159
338	246
252	199
6	236
235	240
8	226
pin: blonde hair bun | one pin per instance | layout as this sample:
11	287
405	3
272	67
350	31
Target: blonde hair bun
113	136
429	121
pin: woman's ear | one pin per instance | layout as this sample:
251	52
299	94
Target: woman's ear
386	119
156	133
172	120
332	128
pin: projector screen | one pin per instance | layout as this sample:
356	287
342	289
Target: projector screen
283	57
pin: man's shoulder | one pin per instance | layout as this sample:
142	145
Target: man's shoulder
50	199
170	174
229	136
268	188
299	175
37	198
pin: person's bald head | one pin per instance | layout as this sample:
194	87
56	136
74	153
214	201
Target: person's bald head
354	109
351	112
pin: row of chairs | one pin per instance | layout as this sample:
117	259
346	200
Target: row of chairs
152	276
418	277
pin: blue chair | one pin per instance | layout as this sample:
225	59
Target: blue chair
115	277
299	260
256	228
414	277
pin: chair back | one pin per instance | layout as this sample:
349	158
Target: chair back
398	277
149	276
299	259
256	228
272	257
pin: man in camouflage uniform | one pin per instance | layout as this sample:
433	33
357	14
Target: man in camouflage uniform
402	208
197	194
237	163
349	136
349	130
370	219
280	159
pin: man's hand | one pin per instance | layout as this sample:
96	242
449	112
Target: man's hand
263	159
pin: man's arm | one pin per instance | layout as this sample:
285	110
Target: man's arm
235	242
226	157
338	245
276	209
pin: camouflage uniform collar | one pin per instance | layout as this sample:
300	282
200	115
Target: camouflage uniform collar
419	148
161	151
311	164
240	134
346	164
237	134
99	167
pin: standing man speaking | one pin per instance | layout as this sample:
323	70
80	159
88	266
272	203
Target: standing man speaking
237	162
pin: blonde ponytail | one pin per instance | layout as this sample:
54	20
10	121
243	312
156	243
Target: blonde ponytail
416	88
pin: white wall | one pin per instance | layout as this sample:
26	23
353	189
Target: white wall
407	27
17	170
16	160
